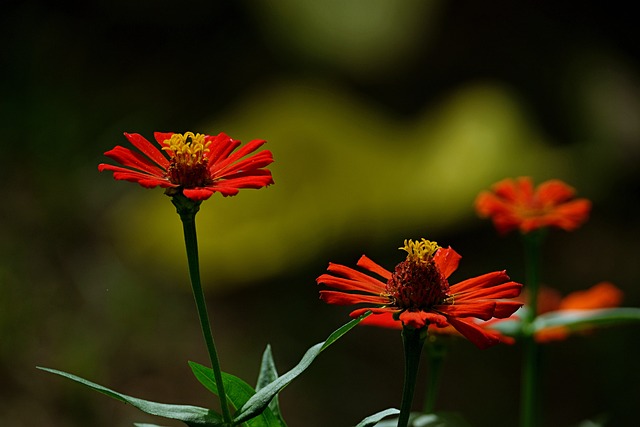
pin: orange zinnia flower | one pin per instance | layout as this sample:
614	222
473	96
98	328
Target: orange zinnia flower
515	204
198	165
600	296
418	294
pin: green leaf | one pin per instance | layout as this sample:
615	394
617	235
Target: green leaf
192	416
238	393
146	425
586	319
440	419
259	401
268	374
374	419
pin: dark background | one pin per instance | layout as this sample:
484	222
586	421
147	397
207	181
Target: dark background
385	119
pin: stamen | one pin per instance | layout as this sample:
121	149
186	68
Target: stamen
417	283
189	160
421	251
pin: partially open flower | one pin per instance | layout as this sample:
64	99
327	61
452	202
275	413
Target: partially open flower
515	204
195	164
418	294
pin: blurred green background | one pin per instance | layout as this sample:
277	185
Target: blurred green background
385	118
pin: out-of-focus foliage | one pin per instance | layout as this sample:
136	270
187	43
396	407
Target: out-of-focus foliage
344	172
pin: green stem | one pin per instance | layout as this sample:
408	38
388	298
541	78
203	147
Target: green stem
531	359
413	341
187	210
436	353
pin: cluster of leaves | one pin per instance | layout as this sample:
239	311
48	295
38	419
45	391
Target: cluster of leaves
254	407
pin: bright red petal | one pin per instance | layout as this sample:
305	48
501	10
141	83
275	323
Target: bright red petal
483	281
480	337
368	264
132	159
148	149
343	298
447	260
353	280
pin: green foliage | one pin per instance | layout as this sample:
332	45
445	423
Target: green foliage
238	393
442	419
259	401
576	320
192	416
269	374
257	408
373	420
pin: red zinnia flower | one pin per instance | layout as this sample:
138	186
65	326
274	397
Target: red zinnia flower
418	293
600	296
515	204
197	164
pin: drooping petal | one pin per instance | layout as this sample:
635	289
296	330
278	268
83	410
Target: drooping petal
482	338
197	193
504	309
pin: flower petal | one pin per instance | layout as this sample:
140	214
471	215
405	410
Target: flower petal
343	298
142	178
148	149
482	338
367	263
132	159
479	309
447	260
483	281
353	280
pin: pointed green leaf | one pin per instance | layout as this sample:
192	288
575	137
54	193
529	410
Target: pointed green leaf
192	416
586	319
259	401
268	374
375	418
238	393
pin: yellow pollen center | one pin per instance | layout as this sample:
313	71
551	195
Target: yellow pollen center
420	251
189	163
188	149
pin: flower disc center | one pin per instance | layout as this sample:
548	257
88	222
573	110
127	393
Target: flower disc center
189	160
416	282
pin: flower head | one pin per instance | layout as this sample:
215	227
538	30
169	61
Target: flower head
600	296
515	204
418	294
197	165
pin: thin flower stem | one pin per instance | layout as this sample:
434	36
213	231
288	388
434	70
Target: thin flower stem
436	353
531	358
187	211
413	341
